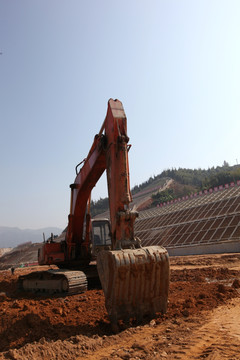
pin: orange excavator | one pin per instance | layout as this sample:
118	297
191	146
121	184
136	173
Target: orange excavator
135	279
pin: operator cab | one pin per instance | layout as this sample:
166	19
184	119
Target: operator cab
101	239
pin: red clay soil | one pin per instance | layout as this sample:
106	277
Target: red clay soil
29	319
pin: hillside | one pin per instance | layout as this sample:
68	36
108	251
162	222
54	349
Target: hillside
21	255
11	237
4	251
158	189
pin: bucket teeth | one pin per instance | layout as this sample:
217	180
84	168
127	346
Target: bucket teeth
135	282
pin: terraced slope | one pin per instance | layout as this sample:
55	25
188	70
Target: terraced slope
210	218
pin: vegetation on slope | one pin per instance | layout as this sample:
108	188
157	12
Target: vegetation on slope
187	181
204	179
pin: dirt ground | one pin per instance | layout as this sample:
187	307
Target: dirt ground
202	319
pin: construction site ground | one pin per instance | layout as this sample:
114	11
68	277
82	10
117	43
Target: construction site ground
202	319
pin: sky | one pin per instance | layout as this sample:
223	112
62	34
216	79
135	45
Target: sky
174	64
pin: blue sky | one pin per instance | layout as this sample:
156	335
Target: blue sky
173	64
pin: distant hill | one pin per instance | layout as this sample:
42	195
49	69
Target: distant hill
21	254
13	236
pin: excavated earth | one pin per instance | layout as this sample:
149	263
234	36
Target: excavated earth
202	319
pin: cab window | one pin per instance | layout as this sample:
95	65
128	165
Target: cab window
101	233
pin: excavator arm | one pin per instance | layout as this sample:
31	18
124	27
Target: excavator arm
109	152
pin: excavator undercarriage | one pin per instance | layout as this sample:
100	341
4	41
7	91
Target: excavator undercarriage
54	281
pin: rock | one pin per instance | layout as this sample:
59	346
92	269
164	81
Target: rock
185	313
3	296
25	308
164	354
138	346
152	323
60	311
42	340
16	305
57	311
236	284
12	354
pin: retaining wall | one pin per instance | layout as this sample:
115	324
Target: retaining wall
217	248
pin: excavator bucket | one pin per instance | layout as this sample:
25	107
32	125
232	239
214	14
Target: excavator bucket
135	282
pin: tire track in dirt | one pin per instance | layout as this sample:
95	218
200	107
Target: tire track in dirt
218	338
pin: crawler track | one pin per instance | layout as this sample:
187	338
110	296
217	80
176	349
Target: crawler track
54	281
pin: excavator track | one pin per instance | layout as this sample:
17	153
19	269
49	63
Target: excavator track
53	281
135	282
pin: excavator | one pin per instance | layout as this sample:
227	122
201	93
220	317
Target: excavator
134	279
